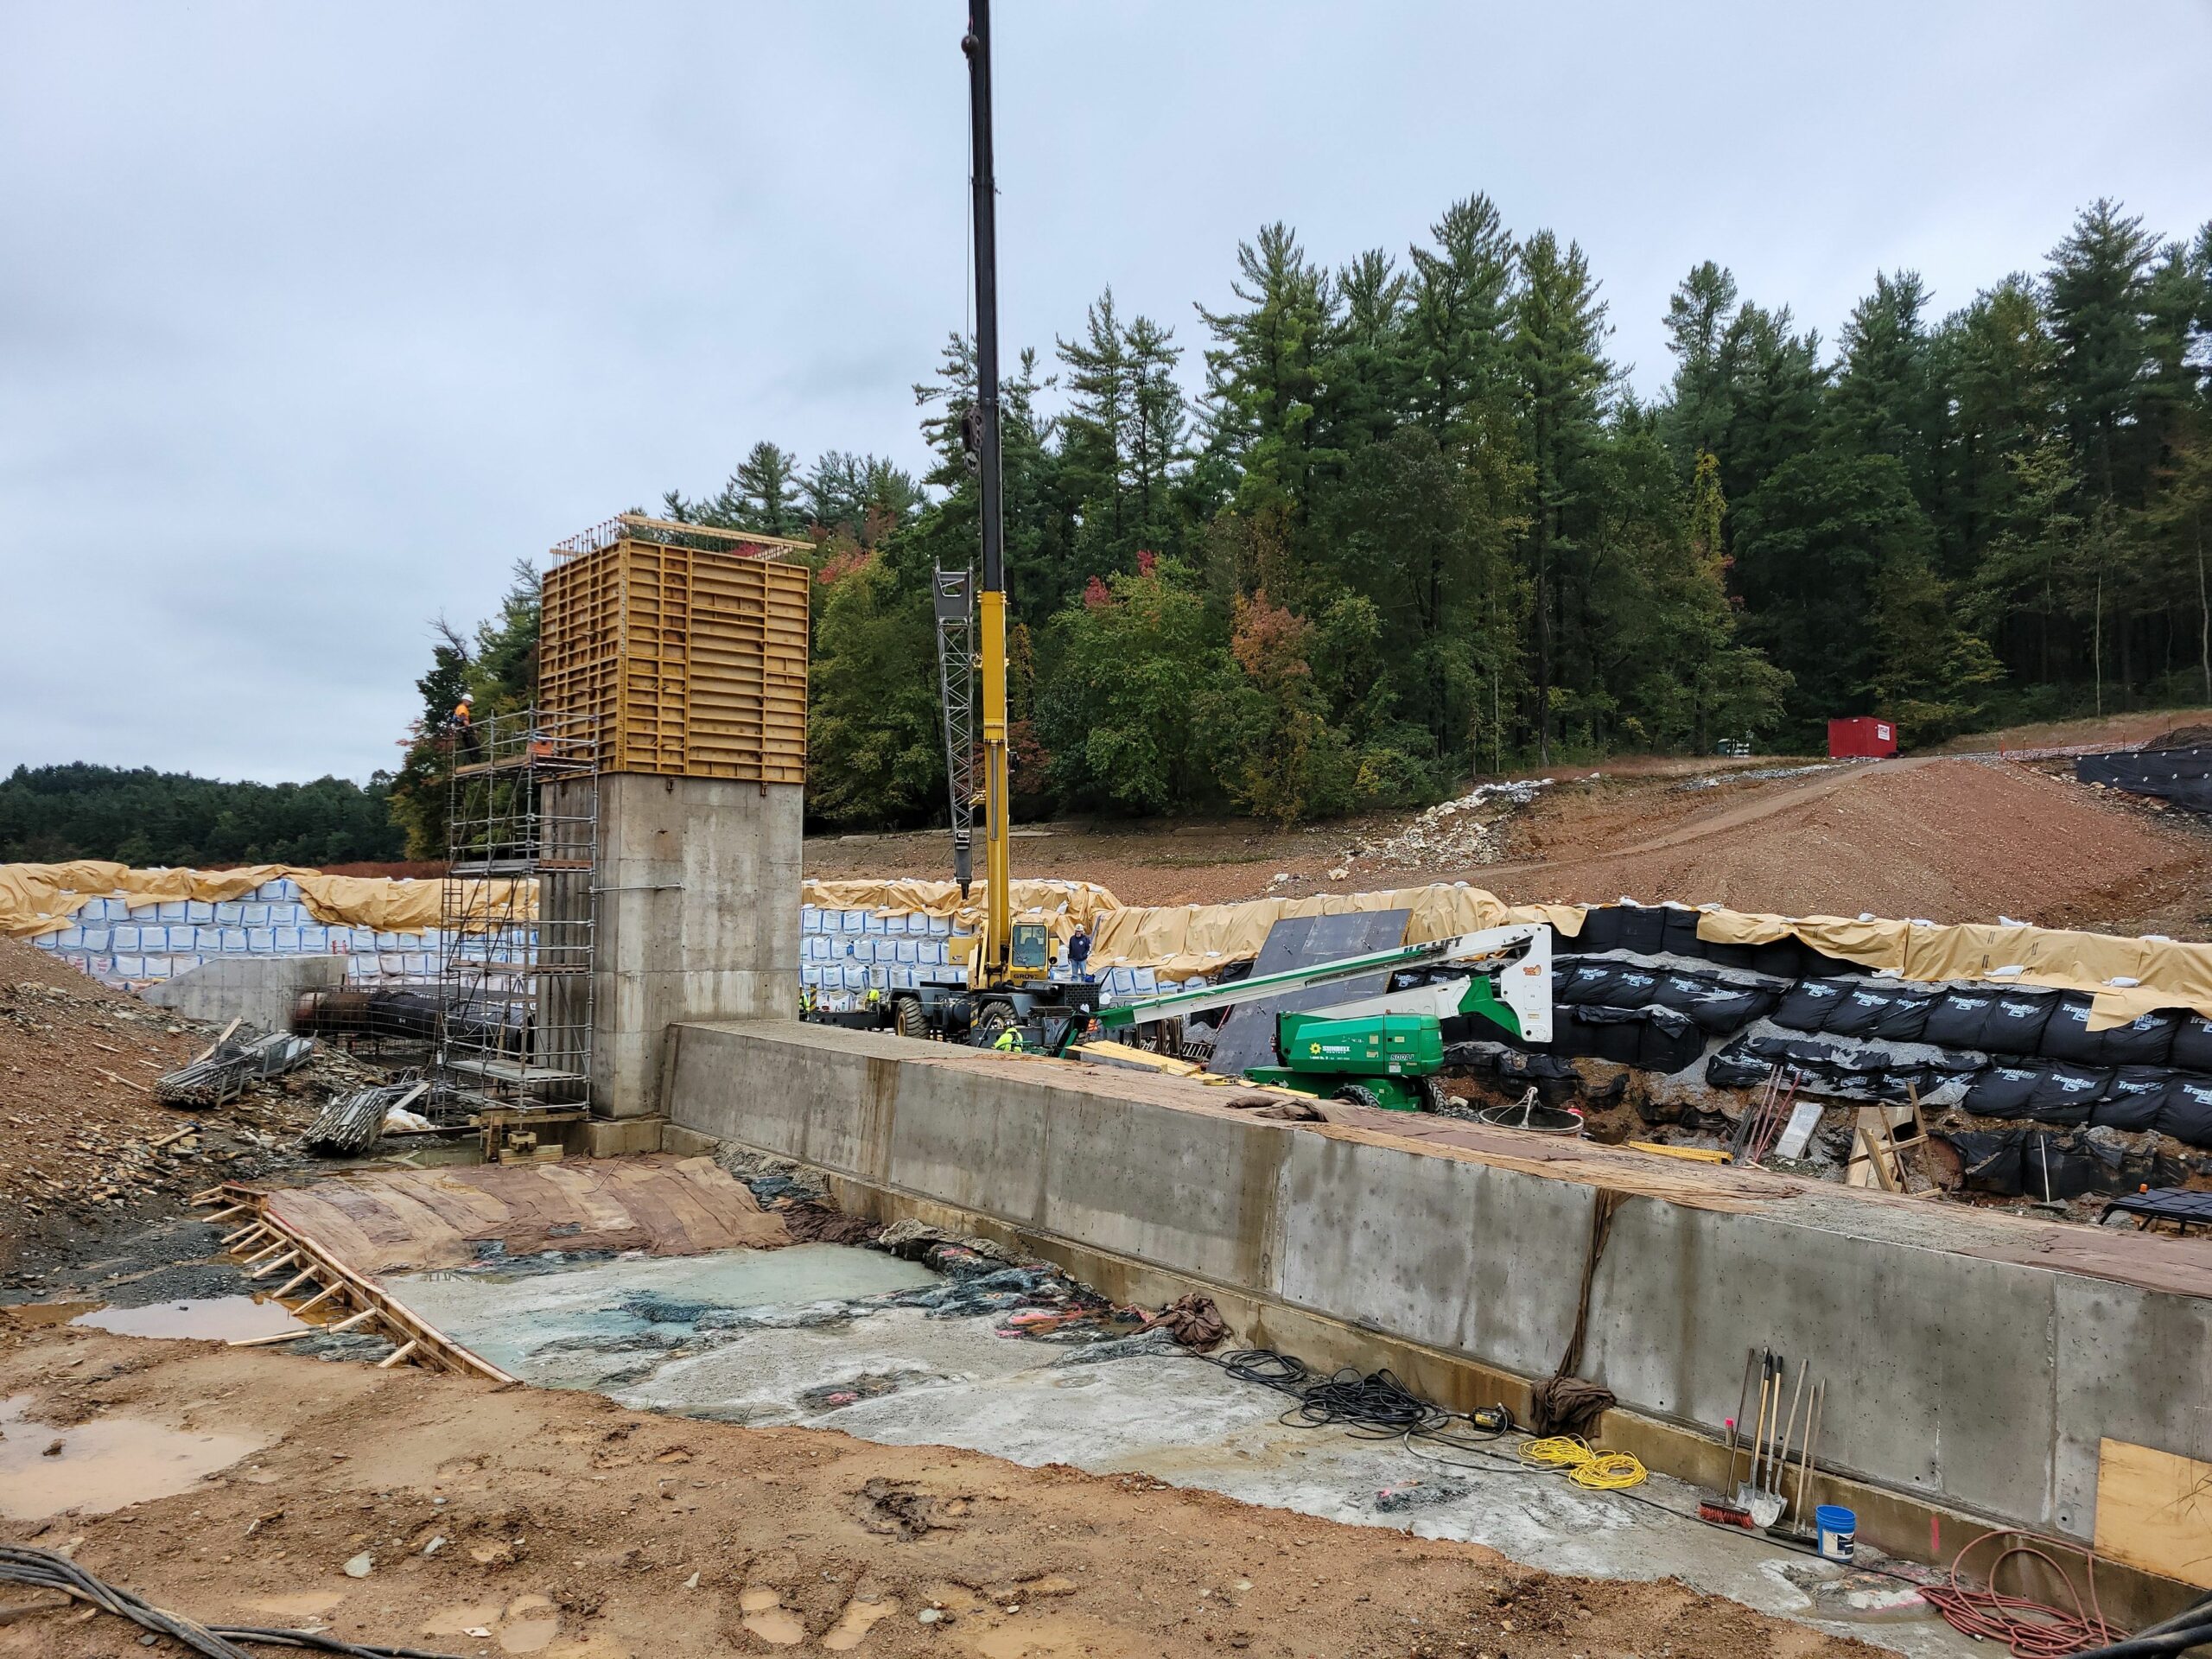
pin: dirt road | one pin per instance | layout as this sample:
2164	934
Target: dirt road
518	1521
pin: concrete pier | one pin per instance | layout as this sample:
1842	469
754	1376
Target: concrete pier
696	892
1974	1360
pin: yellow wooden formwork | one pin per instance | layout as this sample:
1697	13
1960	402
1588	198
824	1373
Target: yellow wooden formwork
692	656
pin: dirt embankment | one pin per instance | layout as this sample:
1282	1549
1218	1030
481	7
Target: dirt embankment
83	1144
1951	838
522	1521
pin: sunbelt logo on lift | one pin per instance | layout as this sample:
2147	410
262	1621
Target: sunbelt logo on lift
1333	1050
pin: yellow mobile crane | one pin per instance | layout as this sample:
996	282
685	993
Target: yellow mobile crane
1006	985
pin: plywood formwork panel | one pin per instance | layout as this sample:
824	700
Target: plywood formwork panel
694	658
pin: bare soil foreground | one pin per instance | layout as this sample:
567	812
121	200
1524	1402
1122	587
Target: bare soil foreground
519	1521
1951	837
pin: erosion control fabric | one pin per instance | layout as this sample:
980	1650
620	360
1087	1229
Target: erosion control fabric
2182	776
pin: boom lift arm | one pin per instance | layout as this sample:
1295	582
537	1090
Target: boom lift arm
1379	1048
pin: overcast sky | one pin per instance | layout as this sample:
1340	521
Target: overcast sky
313	318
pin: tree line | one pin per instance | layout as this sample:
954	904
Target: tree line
1417	526
144	817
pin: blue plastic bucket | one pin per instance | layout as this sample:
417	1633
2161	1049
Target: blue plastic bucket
1838	1531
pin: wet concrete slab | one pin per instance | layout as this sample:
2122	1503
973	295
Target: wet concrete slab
831	1346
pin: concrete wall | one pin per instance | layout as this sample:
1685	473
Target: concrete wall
698	913
1968	1361
260	990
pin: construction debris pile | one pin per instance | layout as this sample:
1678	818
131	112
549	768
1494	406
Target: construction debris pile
1467	830
80	1065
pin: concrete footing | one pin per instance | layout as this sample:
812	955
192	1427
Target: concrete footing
1974	1361
260	990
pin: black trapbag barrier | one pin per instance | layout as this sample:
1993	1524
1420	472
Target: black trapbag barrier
1783	957
1677	988
1905	1020
1903	1079
1588	981
1603	1034
1752	1058
2003	1090
1957	1018
2187	1115
2182	776
1736	1067
2029	1163
1634	985
1861	1011
2148	1039
1601	930
2133	1099
2065	1092
2192	1049
1727	1008
1809	1004
1554	1075
1679	935
1670	1042
2015	1023
1644	929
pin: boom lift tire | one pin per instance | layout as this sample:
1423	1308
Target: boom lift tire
1355	1094
1432	1097
906	1017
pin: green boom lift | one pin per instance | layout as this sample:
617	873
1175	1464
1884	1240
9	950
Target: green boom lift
1383	1049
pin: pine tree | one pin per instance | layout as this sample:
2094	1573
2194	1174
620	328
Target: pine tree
1699	315
1885	399
1458	315
1101	401
1262	373
1558	338
1153	437
767	490
2097	290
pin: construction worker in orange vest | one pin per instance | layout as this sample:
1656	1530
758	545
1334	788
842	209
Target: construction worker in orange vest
464	725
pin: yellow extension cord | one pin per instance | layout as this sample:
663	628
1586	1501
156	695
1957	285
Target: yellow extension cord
1602	1471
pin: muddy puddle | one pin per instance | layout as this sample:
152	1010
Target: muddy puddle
108	1463
214	1318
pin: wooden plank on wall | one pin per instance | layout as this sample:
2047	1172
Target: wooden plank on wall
2154	1511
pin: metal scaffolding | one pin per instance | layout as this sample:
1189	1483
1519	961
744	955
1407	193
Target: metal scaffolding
516	914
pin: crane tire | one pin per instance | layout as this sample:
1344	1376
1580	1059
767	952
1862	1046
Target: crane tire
990	1023
906	1017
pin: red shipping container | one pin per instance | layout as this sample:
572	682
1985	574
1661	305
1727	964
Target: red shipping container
1862	737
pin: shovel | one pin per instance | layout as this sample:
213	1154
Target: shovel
1748	1495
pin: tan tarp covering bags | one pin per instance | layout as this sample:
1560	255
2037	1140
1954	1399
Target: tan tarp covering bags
2171	975
1179	940
1062	905
37	898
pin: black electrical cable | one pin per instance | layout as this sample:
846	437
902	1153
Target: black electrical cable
1379	1407
43	1569
2175	1641
1372	1405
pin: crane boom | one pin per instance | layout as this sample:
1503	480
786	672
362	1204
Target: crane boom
993	947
